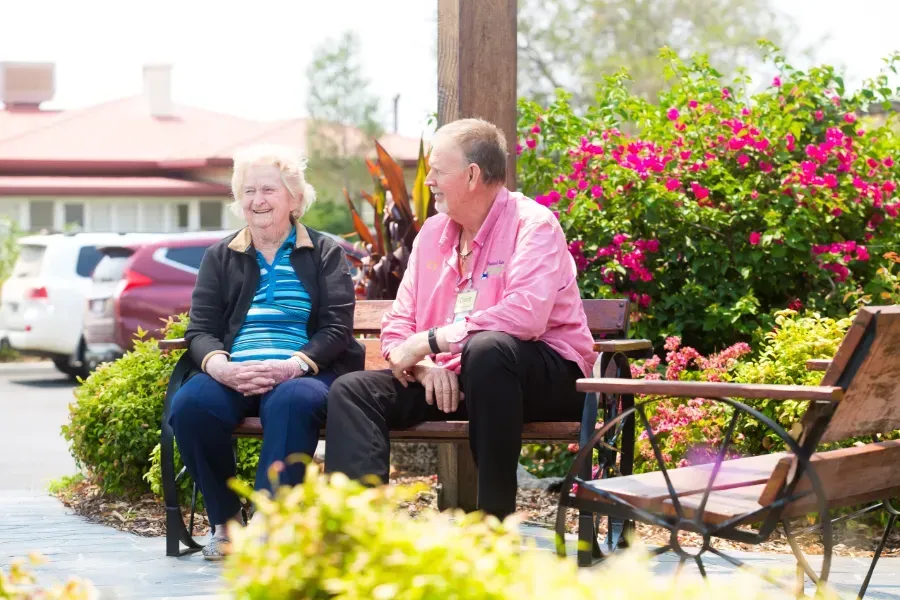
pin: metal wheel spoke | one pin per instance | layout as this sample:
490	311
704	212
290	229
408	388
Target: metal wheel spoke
752	515
662	463
661	550
640	512
726	442
699	562
680	567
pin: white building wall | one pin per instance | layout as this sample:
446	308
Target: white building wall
121	214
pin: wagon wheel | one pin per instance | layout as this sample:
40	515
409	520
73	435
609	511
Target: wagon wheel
693	517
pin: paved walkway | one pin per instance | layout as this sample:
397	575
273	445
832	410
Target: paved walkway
122	565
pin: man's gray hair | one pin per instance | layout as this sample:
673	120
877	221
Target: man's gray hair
482	143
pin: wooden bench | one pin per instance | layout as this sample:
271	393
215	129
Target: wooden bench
457	474
859	397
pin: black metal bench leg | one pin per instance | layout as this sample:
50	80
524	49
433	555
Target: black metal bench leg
878	551
176	531
589	552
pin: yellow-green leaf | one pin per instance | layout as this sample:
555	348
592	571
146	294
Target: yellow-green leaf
423	202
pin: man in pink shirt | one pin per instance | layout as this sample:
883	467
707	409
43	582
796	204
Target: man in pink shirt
487	325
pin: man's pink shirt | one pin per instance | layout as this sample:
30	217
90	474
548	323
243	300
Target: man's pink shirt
522	271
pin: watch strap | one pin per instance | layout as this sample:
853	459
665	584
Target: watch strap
432	341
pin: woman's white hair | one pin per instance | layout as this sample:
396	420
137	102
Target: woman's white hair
291	164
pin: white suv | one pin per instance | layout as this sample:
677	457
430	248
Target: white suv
42	302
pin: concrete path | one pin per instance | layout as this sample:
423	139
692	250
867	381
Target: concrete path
34	400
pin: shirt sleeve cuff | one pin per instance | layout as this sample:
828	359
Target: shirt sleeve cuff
456	335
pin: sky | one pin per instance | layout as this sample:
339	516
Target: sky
249	59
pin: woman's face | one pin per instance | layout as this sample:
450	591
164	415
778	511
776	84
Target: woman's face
265	200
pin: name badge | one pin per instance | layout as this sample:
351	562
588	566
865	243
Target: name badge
465	302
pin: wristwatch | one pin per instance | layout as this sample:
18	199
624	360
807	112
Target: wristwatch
304	368
432	341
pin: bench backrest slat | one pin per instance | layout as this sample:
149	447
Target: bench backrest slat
867	364
604	317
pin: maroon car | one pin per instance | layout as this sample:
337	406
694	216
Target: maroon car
142	285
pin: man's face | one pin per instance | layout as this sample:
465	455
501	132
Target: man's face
451	178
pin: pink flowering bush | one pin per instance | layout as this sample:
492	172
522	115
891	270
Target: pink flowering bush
714	208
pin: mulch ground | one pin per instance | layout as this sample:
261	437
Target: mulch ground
146	517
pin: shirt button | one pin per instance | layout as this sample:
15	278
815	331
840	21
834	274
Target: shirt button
449	319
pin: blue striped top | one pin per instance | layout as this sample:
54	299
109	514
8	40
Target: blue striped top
275	325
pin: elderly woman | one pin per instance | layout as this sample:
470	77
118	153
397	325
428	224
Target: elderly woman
270	330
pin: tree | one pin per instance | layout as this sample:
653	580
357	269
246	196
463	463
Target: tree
343	117
573	44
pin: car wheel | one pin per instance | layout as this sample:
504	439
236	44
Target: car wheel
62	365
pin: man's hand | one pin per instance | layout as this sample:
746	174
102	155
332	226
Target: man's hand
405	356
441	387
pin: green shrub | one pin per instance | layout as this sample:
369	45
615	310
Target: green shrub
114	421
334	538
715	207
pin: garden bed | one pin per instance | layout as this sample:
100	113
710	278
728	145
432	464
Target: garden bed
145	517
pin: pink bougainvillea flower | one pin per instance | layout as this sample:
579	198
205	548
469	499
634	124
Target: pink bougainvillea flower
765	167
745	111
518	149
796	304
692	104
531	143
726	93
570	194
754	194
776	81
888	162
836	212
536	129
862	253
889	187
554	196
699	191
582	184
672	184
789	139
673	114
596	191
743	159
543	200
850	118
819	115
619	239
755	238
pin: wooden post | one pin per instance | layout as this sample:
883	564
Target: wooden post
457	476
477	66
476	78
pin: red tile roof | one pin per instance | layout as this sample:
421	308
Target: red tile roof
108	186
124	131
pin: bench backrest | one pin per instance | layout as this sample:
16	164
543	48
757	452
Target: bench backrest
607	318
867	366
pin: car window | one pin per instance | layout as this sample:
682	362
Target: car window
188	256
29	262
88	257
110	268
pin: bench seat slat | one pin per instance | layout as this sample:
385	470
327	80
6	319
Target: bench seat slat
649	490
446	430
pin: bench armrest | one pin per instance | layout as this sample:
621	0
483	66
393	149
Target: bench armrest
709	389
818	364
174	344
633	348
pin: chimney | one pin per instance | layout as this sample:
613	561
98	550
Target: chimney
158	90
26	85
